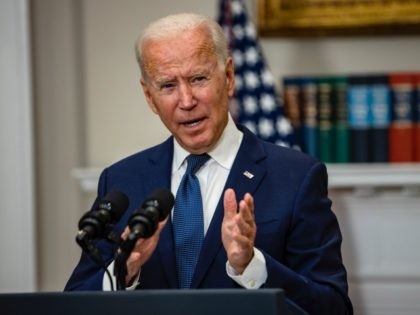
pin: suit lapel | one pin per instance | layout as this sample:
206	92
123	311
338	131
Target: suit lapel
159	176
245	176
166	251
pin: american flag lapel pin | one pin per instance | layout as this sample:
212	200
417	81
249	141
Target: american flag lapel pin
248	174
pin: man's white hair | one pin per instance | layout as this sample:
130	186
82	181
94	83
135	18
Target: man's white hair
175	24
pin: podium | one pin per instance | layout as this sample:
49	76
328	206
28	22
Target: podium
149	302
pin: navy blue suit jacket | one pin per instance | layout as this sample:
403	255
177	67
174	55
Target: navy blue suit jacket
296	230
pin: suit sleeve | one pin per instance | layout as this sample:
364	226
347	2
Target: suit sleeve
312	275
87	275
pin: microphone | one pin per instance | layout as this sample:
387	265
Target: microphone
144	221
94	224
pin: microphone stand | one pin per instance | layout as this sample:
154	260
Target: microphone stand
88	246
120	261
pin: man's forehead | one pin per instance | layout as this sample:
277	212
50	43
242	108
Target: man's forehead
200	58
186	70
196	41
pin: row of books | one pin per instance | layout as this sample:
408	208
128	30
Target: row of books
356	118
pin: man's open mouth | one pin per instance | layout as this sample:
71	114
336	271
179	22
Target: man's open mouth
192	123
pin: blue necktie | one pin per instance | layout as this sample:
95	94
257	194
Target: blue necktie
188	221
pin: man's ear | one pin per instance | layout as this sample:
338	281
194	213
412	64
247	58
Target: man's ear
148	95
230	76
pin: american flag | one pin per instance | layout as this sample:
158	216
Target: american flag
255	103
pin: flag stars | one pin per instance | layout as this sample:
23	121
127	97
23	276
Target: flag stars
283	126
251	126
250	31
238	31
251	80
268	103
267	78
251	56
255	103
250	105
237	8
239	83
238	58
265	127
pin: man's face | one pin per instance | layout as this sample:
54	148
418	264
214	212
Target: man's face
188	89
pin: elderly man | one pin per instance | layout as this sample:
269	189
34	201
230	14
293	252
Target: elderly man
263	213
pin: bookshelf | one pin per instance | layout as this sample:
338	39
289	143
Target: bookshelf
360	177
356	118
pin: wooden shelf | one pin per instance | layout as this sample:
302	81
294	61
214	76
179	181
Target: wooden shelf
353	176
374	175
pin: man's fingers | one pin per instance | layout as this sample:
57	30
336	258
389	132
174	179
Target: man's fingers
125	233
249	200
245	212
245	228
229	202
246	209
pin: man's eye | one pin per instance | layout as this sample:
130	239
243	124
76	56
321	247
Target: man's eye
167	86
199	79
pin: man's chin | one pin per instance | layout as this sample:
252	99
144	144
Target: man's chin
196	146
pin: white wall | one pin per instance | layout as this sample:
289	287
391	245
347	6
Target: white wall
60	134
343	55
17	219
380	237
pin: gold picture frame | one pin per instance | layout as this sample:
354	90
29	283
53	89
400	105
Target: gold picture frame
338	17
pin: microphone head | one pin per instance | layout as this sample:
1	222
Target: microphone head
116	202
163	200
96	222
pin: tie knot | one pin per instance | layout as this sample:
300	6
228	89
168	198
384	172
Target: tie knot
194	162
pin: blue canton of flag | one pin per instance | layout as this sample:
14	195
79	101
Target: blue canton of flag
255	103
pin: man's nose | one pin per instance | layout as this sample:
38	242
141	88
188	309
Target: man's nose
186	96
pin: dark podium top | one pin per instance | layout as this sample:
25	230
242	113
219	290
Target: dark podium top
149	302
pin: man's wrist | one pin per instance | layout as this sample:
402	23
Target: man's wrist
254	275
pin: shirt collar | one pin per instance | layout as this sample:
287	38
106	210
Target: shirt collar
224	152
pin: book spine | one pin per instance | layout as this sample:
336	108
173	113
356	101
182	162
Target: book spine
309	110
292	106
417	119
325	133
401	130
380	108
359	119
340	124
